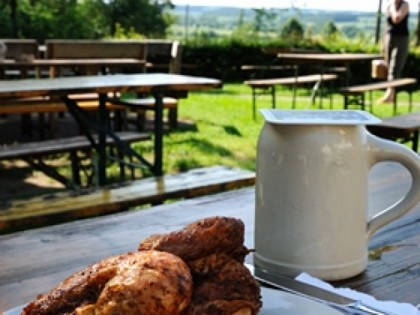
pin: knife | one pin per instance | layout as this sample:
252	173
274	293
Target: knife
342	303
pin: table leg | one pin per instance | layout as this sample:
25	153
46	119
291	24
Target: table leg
89	126
415	141
103	121
158	165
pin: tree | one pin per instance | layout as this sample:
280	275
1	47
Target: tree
141	15
330	29
292	30
42	19
263	18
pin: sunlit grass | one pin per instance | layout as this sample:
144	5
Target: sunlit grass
217	126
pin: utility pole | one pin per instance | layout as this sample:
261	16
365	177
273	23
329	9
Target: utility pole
378	22
187	21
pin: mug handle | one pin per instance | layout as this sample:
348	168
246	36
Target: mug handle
385	150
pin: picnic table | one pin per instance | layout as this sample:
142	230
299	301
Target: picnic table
157	85
324	60
34	261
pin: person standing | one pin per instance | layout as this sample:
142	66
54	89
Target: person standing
396	42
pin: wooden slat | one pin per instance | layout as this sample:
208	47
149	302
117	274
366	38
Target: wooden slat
403	127
377	86
292	80
46	105
61	145
63	207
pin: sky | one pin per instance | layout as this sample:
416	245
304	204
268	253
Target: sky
342	5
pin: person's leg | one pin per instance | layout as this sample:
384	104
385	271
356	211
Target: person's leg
401	52
397	52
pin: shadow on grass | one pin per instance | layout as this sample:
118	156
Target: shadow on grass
206	147
14	184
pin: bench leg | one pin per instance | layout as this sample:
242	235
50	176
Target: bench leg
294	96
273	96
415	141
410	100
314	93
75	171
51	172
173	117
254	106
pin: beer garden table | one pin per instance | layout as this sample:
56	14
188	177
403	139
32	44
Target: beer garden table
157	85
33	261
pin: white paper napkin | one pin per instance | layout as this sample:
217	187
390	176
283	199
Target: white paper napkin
392	307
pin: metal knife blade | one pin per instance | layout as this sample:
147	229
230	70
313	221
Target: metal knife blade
332	299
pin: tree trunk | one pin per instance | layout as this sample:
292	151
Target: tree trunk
13	18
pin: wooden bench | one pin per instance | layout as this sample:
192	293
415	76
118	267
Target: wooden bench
46	106
96	49
34	152
268	86
162	56
355	95
141	105
67	206
18	49
403	128
261	71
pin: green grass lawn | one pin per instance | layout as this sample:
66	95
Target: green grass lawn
217	126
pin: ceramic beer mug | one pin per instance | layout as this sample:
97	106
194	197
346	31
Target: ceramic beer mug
311	191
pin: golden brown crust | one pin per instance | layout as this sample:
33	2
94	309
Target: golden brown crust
195	271
200	238
233	290
148	282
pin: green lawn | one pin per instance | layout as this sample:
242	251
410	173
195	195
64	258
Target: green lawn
217	127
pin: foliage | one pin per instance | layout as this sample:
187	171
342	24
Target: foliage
90	19
121	33
217	126
330	29
292	30
142	16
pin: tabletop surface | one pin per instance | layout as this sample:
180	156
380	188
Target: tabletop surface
72	62
411	120
34	261
329	57
146	82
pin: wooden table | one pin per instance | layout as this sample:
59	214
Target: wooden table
324	59
402	127
32	262
87	65
327	57
157	85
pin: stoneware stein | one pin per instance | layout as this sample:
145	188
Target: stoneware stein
311	191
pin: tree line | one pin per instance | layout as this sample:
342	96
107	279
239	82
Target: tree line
87	19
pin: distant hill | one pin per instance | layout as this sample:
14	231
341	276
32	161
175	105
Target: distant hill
351	23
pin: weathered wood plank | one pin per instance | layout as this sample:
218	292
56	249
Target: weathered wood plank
377	86
61	207
403	127
61	145
303	79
